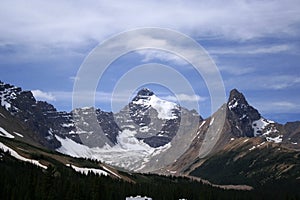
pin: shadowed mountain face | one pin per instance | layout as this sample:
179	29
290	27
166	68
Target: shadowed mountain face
241	115
47	122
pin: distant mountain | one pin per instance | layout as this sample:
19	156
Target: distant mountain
154	135
144	131
250	148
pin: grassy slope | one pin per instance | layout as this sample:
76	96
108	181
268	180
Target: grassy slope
268	164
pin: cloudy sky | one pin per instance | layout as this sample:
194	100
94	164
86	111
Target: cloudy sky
254	44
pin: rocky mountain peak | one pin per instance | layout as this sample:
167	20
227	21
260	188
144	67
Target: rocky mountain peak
241	114
238	104
236	97
144	93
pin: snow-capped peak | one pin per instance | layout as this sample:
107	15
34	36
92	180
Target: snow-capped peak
165	109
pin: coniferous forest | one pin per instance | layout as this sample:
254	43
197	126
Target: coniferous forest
20	180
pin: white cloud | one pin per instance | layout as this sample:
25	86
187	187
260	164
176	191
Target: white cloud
161	55
281	82
184	98
65	23
234	70
277	106
43	96
263	81
258	49
284	104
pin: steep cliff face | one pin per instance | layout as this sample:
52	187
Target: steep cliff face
241	115
234	120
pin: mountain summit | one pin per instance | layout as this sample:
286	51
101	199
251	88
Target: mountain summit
241	115
143	93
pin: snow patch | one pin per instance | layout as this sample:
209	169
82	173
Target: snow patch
161	149
126	140
128	126
72	148
202	124
233	104
18	134
211	121
261	144
19	157
257	146
252	148
67	125
5	104
164	108
144	129
2	115
85	170
277	139
113	173
4	133
259	125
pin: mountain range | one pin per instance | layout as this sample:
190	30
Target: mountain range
236	145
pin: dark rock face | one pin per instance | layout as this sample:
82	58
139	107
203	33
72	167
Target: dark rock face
46	121
241	115
108	125
291	133
34	114
143	94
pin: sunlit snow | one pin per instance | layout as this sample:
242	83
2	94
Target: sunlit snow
19	157
164	108
259	125
129	152
4	133
85	170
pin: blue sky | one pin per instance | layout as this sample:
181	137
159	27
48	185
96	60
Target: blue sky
255	45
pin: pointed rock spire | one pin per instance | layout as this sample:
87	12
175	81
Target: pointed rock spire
145	92
236	96
241	114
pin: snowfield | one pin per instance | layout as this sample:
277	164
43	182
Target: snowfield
129	152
